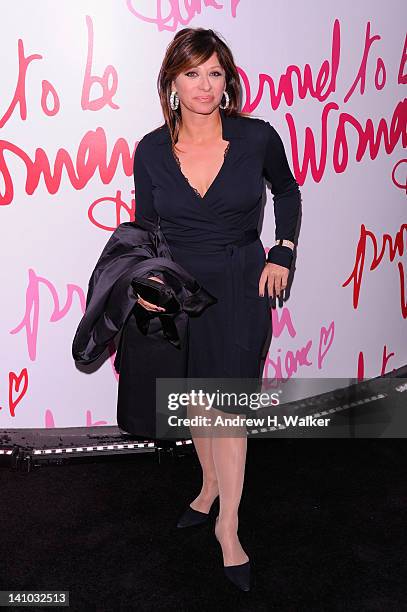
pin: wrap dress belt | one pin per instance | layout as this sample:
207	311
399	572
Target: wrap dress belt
238	330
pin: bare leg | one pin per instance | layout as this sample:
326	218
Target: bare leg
203	447
229	456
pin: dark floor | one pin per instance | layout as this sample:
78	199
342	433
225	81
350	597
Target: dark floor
323	522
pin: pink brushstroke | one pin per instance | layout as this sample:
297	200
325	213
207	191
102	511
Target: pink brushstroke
176	11
30	320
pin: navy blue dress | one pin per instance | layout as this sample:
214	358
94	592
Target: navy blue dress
215	237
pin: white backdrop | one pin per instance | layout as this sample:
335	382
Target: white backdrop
78	90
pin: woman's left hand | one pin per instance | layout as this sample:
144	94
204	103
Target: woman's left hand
276	278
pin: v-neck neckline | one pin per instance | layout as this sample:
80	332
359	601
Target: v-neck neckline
194	189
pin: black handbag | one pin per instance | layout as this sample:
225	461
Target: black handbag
162	295
157	293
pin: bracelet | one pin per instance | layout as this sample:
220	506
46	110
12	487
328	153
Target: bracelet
288	243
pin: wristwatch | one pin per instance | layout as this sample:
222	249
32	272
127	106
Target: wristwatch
285	243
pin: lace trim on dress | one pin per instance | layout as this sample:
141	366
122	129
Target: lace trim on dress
192	187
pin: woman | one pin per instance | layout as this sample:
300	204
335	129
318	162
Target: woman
202	175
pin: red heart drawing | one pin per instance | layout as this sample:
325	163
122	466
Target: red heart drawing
326	337
14	383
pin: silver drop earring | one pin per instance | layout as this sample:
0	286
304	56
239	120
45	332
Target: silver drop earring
174	100
225	93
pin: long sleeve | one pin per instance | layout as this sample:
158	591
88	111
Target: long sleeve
286	196
146	215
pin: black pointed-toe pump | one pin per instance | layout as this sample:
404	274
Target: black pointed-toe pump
238	574
192	517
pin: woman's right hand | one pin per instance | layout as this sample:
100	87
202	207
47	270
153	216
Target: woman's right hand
148	305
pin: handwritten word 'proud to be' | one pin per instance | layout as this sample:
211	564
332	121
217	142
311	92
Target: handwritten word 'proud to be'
92	156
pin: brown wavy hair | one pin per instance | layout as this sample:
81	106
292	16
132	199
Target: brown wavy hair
189	48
